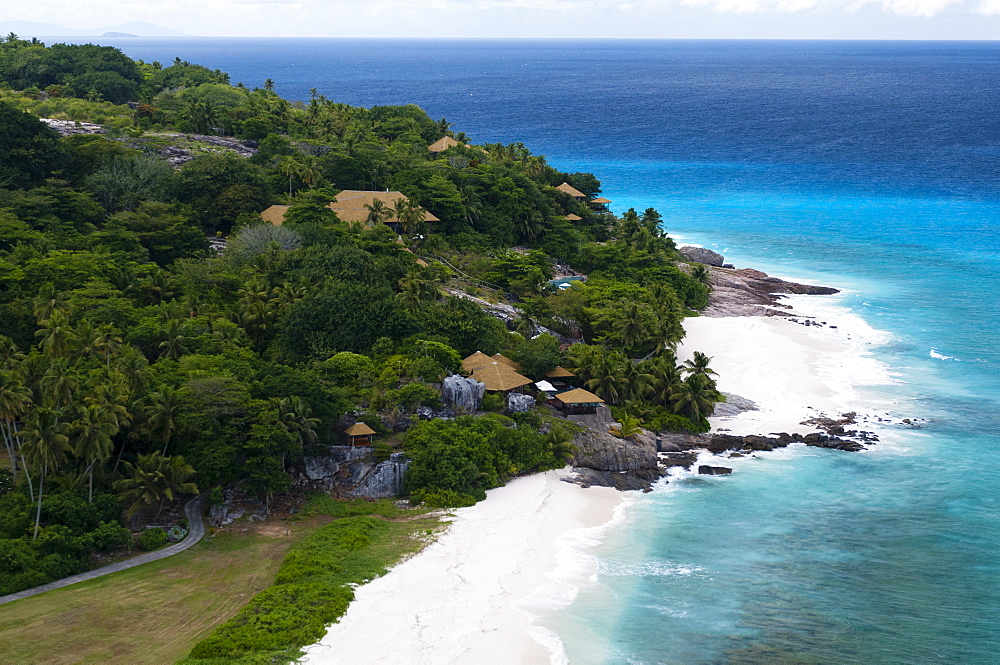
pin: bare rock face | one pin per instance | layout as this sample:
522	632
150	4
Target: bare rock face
748	292
702	255
463	395
607	461
517	403
385	480
706	470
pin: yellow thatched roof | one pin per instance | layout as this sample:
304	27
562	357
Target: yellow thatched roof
350	205
559	373
500	358
359	429
573	218
579	396
443	144
477	359
498	376
275	214
601	199
571	190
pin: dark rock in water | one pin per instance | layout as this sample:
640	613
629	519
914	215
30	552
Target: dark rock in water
622	481
463	395
702	255
685	460
733	406
706	470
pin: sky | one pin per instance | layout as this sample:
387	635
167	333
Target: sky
747	19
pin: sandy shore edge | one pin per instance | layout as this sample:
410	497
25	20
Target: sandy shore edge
472	595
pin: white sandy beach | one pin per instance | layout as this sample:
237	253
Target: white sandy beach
468	598
792	372
471	596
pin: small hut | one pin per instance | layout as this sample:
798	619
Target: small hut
560	377
572	191
578	402
477	359
359	434
572	218
600	204
499	377
441	145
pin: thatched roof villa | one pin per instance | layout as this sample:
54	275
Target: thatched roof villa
441	145
350	207
499	377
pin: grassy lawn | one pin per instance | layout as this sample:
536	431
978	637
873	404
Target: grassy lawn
153	613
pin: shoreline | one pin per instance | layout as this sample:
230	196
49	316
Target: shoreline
475	592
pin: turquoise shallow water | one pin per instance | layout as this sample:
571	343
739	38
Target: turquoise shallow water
870	166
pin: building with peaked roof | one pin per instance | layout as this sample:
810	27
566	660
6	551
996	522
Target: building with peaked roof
350	206
600	204
567	188
477	359
578	402
499	377
500	358
441	145
275	214
559	373
572	218
359	434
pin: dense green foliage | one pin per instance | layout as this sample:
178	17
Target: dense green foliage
140	366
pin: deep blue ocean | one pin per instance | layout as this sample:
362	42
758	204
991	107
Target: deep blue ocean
872	166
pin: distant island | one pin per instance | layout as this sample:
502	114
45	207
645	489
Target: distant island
131	29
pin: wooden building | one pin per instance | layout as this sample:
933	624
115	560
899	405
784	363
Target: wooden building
575	193
359	434
578	402
560	377
441	145
600	204
351	206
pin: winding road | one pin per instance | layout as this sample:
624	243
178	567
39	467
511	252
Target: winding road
192	510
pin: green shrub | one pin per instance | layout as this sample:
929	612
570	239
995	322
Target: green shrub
445	499
151	539
493	402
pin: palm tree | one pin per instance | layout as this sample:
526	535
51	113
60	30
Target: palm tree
409	214
161	420
107	343
698	365
154	479
630	329
45	446
295	416
91	435
174	346
47	304
311	171
695	397
15	400
635	382
664	373
290	167
607	382
56	335
269	85
378	211
201	116
58	383
627	427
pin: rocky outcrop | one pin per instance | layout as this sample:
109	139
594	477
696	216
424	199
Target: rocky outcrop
607	461
733	406
385	480
748	292
702	255
518	403
324	472
461	394
706	470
